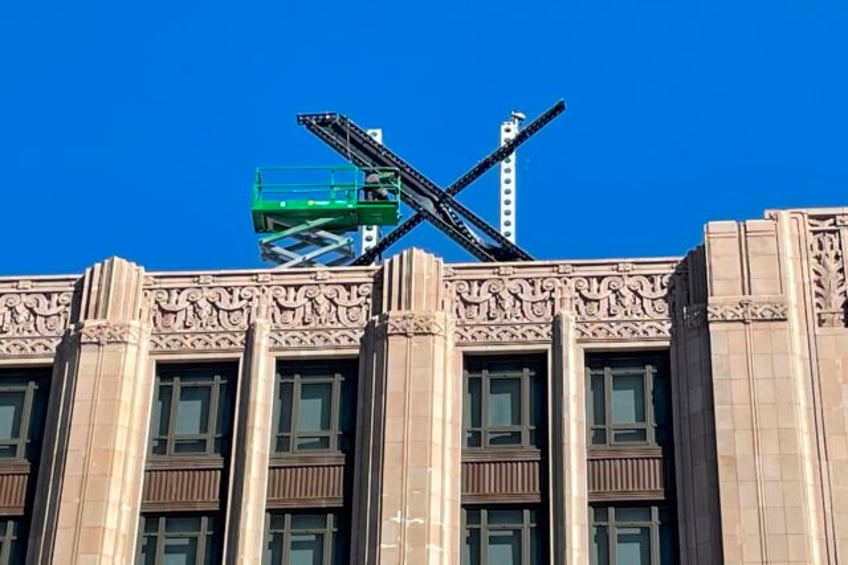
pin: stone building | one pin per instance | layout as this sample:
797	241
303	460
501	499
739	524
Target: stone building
682	410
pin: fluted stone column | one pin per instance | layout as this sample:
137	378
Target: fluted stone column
568	469
252	450
89	495
414	425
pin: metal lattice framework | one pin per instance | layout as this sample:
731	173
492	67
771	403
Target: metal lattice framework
427	199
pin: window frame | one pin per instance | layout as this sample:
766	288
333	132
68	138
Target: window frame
528	527
12	539
661	519
532	372
652	367
35	385
334	532
208	529
343	376
221	381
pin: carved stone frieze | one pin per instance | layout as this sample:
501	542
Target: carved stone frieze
410	324
828	242
747	311
106	333
613	301
33	316
320	305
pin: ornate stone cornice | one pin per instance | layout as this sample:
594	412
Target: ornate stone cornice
34	313
306	309
611	301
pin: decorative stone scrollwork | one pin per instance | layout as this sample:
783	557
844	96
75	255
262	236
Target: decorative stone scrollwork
202	308
303	339
628	301
320	305
829	271
32	322
201	317
103	334
747	311
410	324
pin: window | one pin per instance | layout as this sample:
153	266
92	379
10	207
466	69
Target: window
192	413
316	407
180	539
504	404
503	535
305	539
632	535
23	408
12	542
627	400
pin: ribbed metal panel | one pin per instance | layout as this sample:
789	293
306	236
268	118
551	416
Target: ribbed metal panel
626	475
490	478
13	488
177	486
303	483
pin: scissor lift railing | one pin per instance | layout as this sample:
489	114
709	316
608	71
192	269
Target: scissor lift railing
311	222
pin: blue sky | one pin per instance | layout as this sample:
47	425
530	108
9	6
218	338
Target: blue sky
133	129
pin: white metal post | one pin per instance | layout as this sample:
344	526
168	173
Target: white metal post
370	235
509	129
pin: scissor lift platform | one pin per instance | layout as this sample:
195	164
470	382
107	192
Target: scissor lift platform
307	219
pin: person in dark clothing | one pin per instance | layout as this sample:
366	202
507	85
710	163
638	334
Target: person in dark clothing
376	183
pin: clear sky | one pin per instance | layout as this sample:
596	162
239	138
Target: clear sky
133	129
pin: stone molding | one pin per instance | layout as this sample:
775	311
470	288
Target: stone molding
744	310
517	303
828	237
104	333
411	324
34	314
306	309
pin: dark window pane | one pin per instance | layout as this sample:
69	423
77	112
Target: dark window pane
180	551
599	437
505	402
628	399
193	411
597	392
660	399
285	406
182	525
283	444
162	410
633	514
309	521
505	517
600	546
473	400
667	556
315	407
633	546
11	411
190	446
222	426
313	443
348	407
471	548
472	439
599	514
625	436
504	438
504	547
148	551
8	450
307	549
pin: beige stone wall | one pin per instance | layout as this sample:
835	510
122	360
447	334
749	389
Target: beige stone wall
756	320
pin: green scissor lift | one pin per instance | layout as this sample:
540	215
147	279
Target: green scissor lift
310	213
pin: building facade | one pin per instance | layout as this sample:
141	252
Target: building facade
687	410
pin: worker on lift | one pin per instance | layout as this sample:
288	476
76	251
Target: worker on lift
376	183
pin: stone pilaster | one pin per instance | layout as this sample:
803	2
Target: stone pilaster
769	473
415	423
252	450
569	488
89	493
